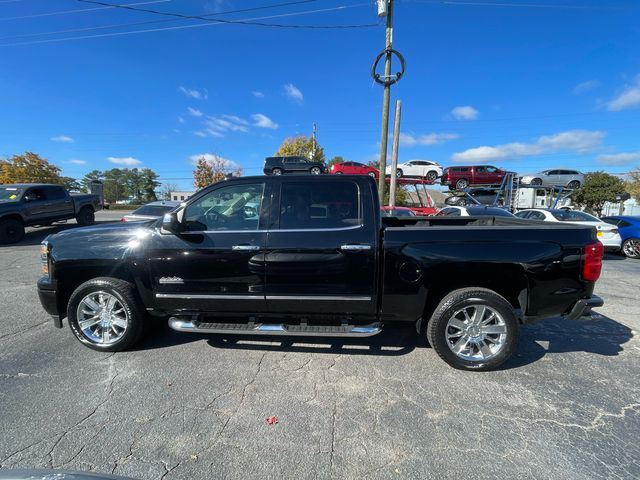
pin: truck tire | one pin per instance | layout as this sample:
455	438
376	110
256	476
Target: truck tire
462	184
11	230
469	343
631	247
105	314
276	171
86	216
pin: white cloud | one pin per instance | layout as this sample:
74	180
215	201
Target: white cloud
618	158
466	112
193	93
219	125
128	161
410	140
262	121
217	159
194	112
257	94
585	87
293	92
62	139
202	134
180	120
77	162
629	98
579	141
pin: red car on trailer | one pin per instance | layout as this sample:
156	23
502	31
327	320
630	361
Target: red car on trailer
354	168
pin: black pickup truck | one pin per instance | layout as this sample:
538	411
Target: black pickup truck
312	256
28	205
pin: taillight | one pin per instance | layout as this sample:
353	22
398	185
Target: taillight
592	264
123	219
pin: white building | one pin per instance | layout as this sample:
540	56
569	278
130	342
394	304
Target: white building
180	196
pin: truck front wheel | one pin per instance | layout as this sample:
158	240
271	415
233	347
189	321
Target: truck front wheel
473	329
105	314
11	230
86	216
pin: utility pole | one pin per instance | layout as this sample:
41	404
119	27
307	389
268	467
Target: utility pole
313	152
384	134
394	155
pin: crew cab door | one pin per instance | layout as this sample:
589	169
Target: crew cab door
59	202
322	248
36	205
217	264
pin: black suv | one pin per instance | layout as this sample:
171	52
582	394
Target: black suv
282	165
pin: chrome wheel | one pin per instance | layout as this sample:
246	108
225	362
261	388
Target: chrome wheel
315	171
102	318
431	175
631	248
476	332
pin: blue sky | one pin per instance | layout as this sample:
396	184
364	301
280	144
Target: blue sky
523	85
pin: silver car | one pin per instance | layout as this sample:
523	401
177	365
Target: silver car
555	178
150	211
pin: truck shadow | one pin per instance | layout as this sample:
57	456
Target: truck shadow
604	337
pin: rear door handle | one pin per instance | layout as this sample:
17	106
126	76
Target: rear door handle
354	247
245	248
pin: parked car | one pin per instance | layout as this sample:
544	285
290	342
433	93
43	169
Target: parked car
283	165
607	234
555	178
150	211
474	211
458	178
485	196
31	204
397	212
629	228
417	169
318	261
354	168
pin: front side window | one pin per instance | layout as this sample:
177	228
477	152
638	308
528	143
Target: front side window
233	207
319	205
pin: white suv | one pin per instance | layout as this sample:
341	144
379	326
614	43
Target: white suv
418	168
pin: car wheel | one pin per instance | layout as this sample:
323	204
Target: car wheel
372	174
399	173
536	181
86	216
11	230
315	171
276	171
338	173
432	175
631	247
105	314
573	185
473	329
462	184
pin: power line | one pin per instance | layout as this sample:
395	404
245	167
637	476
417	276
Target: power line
180	27
81	10
240	22
149	22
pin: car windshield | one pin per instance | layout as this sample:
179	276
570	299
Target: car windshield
573	216
153	210
10	194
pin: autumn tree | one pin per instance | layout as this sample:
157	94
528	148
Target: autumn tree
31	168
335	160
212	169
301	146
598	188
632	186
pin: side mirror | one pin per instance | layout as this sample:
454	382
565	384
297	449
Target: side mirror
171	224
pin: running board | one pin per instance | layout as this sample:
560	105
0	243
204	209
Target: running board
369	330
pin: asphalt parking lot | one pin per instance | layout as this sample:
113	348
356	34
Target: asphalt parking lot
181	406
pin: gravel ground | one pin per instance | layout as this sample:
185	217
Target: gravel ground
192	406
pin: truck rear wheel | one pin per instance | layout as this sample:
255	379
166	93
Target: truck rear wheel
473	329
11	230
105	314
86	216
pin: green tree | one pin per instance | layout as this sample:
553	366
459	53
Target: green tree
90	177
598	188
148	184
115	185
632	186
334	160
30	168
301	146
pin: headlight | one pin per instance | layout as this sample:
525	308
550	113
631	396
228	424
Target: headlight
44	257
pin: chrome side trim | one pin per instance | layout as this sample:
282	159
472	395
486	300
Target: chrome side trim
276	230
246	248
355	247
320	297
202	296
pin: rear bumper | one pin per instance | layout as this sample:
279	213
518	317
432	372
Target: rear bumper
582	308
48	294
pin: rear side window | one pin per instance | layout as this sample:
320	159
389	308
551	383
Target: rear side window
153	210
319	205
55	193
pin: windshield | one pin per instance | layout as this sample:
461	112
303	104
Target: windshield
573	216
153	210
10	194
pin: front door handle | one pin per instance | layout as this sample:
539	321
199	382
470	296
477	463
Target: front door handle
245	248
354	247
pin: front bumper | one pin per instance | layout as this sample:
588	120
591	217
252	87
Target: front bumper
582	308
48	294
